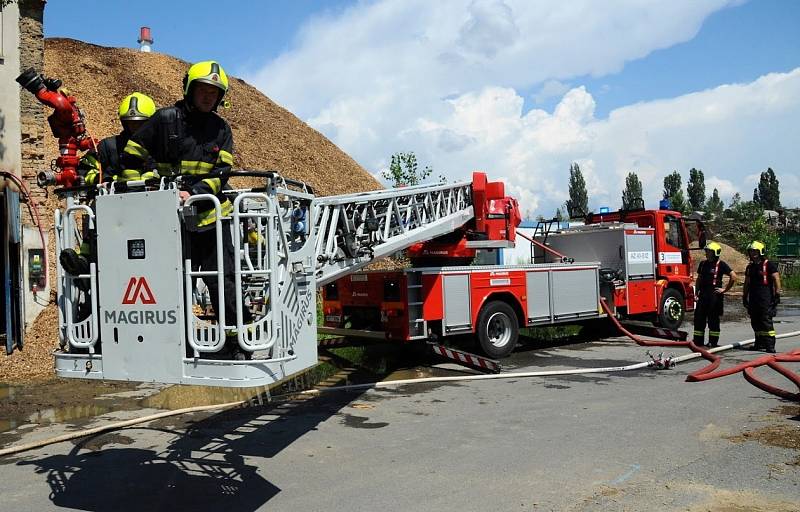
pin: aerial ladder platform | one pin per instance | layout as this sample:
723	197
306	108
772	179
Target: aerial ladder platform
137	314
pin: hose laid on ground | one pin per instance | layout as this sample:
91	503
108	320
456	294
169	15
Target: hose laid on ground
747	368
112	426
353	387
714	360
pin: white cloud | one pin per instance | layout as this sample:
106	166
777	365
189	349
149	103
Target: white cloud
550	89
442	79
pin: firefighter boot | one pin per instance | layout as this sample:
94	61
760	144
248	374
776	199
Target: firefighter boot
75	264
234	351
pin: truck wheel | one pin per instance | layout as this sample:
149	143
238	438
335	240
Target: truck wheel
497	329
671	309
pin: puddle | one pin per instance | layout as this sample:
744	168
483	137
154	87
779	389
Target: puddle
178	397
421	373
75	401
59	401
789	306
361	422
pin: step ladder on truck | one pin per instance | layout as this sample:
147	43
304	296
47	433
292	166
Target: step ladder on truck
628	265
134	315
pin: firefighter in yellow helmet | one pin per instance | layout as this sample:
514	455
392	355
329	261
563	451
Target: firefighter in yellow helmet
191	140
761	295
710	294
134	110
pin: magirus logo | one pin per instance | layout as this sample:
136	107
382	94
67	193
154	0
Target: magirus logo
139	291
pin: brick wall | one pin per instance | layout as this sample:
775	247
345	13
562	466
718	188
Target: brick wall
33	119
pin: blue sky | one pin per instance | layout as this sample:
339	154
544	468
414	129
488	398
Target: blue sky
520	88
235	32
737	44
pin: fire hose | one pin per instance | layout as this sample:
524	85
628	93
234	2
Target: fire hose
747	368
546	248
35	214
460	378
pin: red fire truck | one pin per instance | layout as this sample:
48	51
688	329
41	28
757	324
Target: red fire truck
639	261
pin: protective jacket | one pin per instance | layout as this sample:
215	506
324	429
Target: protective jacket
709	277
761	289
183	141
108	158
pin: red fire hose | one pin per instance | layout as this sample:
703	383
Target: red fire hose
747	368
714	359
543	246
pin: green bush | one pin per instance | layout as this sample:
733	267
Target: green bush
743	223
791	282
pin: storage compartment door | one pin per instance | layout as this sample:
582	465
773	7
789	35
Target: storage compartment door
456	298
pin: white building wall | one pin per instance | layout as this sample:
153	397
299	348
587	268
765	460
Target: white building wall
10	138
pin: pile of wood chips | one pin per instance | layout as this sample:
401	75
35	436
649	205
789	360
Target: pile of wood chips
266	137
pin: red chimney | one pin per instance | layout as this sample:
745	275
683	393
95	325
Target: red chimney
145	39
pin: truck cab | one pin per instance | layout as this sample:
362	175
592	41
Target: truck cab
674	237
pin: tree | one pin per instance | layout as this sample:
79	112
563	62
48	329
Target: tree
632	193
735	200
673	191
578	202
768	194
696	189
559	215
404	170
748	224
714	205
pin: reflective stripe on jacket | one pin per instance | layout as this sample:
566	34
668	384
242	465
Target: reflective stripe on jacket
189	143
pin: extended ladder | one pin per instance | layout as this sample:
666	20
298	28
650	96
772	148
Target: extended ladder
352	230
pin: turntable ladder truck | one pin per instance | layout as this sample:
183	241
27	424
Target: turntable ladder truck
136	316
638	261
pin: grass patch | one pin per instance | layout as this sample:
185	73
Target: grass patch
550	332
791	282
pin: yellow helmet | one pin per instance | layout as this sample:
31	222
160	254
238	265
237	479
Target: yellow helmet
755	245
136	107
714	247
207	72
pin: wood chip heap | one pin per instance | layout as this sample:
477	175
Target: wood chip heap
266	137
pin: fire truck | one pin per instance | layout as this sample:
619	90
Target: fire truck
136	314
638	261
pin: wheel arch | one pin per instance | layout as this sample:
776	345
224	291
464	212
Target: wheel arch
503	296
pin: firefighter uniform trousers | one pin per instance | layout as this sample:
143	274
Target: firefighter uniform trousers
761	312
203	250
708	311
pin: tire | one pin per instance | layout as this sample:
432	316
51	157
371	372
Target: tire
498	329
671	309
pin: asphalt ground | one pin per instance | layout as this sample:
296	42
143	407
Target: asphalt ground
640	440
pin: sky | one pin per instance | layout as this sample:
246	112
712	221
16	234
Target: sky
517	88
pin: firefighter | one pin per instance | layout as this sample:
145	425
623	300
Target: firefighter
761	296
192	140
134	110
711	294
